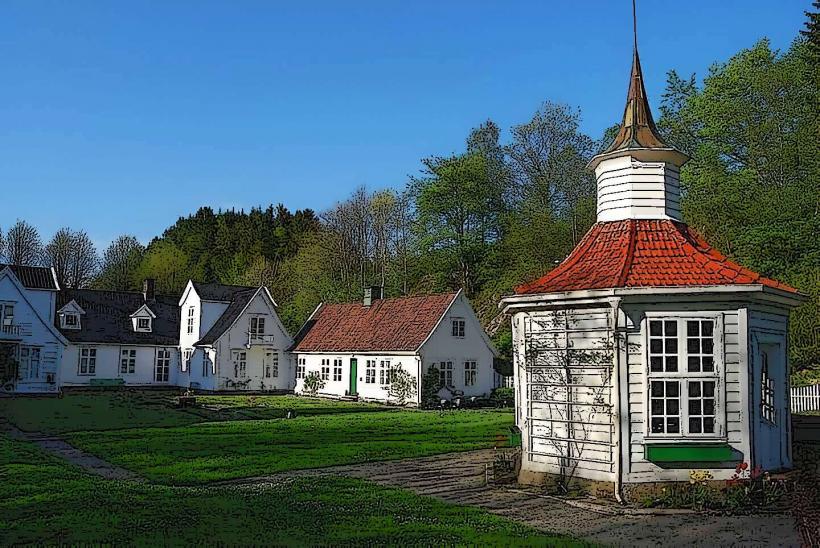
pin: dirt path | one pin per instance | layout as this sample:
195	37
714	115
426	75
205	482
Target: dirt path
61	448
460	478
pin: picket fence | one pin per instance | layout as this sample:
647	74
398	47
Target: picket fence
805	398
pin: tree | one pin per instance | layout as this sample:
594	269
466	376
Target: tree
73	257
751	186
23	244
455	220
402	385
167	264
2	245
312	383
120	260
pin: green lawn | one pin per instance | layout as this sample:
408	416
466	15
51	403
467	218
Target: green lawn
43	500
206	452
117	409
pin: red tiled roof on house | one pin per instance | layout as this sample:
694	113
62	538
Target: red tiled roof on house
400	324
644	253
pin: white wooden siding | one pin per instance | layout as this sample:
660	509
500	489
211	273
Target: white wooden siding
629	189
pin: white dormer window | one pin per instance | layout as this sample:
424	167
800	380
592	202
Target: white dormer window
142	319
70	316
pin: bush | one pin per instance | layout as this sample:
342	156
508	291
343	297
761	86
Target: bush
402	385
430	385
504	396
312	384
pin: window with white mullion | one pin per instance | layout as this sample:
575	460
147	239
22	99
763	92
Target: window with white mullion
683	377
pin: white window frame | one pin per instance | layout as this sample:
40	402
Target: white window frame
300	368
187	354
33	359
5	319
256	329
162	365
144	328
768	405
445	374
128	360
240	363
370	372
459	327
325	369
682	376
470	372
206	369
64	323
385	372
87	355
337	369
190	321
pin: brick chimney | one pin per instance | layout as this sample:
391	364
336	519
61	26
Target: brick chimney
148	290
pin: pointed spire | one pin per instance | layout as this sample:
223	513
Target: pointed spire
637	128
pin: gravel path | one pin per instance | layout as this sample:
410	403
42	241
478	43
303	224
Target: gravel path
460	478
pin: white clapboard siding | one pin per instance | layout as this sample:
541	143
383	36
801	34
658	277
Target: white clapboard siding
805	398
629	189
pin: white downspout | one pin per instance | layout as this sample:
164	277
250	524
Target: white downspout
616	390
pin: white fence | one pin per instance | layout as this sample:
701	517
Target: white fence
805	398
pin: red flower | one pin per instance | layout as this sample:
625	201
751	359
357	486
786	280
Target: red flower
744	465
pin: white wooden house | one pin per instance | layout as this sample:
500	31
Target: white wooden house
28	337
646	353
231	339
118	338
353	347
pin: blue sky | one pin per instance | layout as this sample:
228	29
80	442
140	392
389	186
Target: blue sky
119	117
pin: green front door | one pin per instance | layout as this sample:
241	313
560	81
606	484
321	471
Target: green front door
353	375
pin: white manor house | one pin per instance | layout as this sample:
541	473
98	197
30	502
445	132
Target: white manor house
218	337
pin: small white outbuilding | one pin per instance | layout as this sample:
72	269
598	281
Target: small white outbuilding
647	353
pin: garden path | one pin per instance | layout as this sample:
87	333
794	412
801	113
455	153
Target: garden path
460	478
61	448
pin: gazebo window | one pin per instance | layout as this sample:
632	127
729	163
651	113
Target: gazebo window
683	400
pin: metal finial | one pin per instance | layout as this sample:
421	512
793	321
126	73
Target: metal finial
634	27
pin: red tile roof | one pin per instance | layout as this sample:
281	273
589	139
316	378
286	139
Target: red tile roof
400	324
644	253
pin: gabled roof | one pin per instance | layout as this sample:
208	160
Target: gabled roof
144	310
219	292
34	277
240	301
644	253
388	325
107	317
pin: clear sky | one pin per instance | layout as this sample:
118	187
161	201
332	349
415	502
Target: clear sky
119	117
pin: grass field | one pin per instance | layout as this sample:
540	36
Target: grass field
121	409
43	500
225	450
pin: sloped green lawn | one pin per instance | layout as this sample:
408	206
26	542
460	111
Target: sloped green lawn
119	409
200	453
43	500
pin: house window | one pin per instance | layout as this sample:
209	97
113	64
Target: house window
325	369
445	372
190	320
240	364
70	321
143	324
682	399
186	359
88	361
470	370
370	372
128	360
458	327
163	365
384	372
7	316
767	408
205	364
300	368
257	327
271	364
29	368
337	369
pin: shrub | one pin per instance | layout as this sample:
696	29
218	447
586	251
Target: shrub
430	385
402	385
312	384
503	396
